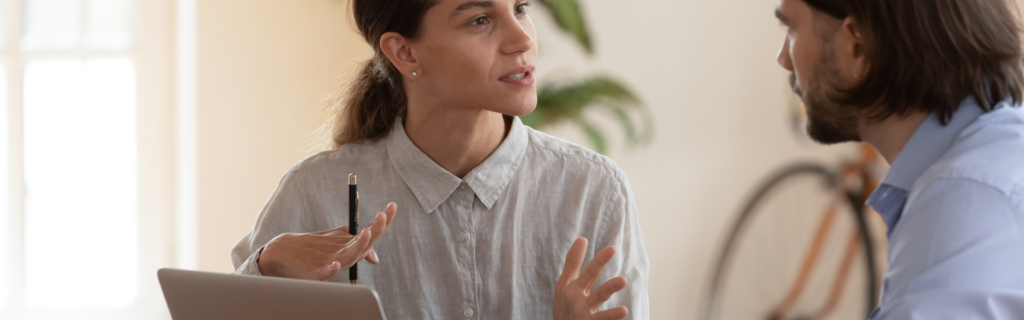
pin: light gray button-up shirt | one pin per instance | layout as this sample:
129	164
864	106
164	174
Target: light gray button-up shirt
488	246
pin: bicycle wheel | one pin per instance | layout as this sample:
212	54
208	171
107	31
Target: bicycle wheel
762	271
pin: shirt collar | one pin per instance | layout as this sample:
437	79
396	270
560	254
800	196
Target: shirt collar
432	184
930	141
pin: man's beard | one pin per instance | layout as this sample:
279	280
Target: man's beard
828	122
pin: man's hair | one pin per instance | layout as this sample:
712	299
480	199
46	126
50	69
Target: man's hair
930	55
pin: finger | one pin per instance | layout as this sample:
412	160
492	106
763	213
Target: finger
371	256
328	271
593	269
390	212
378	225
573	261
611	314
338	230
356	249
605	291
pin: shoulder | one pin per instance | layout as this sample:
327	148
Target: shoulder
987	153
551	153
351	155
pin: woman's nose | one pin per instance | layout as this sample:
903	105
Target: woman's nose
518	40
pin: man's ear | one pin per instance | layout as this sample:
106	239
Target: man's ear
853	49
397	49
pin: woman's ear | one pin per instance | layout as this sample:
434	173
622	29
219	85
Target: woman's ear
397	49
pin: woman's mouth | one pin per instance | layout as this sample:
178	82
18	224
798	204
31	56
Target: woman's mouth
517	76
522	76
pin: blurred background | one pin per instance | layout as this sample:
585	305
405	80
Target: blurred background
149	133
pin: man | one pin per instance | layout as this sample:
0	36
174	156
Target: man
935	86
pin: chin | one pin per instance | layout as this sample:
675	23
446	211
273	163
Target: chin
522	107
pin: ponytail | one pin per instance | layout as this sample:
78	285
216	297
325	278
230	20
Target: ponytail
368	108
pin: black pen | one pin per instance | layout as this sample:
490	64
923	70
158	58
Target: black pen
353	221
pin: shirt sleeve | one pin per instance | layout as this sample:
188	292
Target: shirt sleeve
956	254
621	228
283	213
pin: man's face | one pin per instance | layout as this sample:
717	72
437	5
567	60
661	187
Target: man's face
809	53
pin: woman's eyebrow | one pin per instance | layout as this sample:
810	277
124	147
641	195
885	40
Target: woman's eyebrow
470	5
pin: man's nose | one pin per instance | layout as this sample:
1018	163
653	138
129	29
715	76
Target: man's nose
784	58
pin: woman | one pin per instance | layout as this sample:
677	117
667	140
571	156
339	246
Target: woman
490	207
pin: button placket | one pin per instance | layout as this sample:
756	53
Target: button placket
465	237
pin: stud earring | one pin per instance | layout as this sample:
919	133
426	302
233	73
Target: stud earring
414	74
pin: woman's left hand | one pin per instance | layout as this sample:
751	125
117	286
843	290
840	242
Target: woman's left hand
573	297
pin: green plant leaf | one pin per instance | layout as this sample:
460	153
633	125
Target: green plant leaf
568	17
568	102
594	134
625	120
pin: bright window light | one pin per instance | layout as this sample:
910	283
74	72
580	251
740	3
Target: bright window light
78	24
52	24
109	25
5	217
3	24
81	233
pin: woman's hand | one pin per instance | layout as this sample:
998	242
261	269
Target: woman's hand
320	255
573	298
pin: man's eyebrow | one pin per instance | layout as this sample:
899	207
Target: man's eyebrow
780	16
471	5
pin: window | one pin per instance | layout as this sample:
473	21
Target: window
80	181
78	102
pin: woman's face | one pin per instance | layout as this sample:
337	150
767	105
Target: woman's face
478	54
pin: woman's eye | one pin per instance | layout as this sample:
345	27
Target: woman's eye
521	8
479	21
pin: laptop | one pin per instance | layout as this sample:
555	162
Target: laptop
194	295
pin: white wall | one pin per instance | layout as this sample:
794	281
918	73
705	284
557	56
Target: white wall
706	68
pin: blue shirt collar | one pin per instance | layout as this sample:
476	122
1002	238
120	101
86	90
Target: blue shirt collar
930	141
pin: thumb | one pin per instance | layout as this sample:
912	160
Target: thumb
328	271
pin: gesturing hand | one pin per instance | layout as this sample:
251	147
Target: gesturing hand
573	298
320	255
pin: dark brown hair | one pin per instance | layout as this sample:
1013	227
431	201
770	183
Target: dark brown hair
368	107
930	55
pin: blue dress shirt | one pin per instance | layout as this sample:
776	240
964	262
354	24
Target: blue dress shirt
954	204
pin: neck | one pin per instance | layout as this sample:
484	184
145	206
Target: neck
457	139
889	136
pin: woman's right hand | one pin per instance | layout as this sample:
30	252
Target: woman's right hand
320	255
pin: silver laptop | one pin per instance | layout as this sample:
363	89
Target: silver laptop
193	295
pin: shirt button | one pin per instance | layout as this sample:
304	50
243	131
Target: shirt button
468	312
462	237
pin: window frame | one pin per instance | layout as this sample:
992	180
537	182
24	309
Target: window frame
156	146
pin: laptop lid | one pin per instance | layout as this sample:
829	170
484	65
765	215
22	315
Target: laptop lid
194	295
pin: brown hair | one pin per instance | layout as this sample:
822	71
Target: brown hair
930	55
368	107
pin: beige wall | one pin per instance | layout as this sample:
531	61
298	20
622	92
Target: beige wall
706	68
263	67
